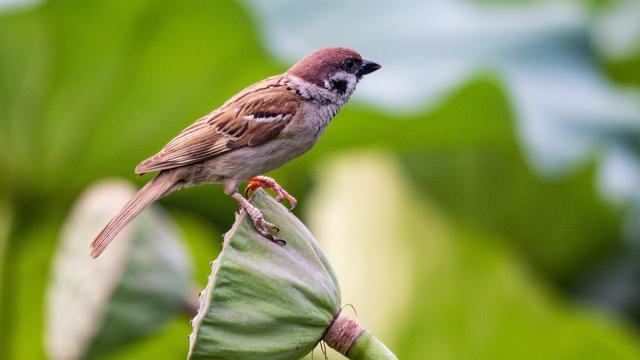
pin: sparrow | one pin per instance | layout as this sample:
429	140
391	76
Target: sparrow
257	130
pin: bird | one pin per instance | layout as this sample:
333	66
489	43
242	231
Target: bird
257	130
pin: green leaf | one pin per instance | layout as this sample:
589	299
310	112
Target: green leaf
203	242
28	259
137	285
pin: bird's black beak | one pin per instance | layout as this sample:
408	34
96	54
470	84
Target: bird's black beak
368	67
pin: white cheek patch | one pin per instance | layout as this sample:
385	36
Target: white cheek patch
349	81
309	90
322	93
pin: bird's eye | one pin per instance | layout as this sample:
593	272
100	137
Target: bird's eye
349	64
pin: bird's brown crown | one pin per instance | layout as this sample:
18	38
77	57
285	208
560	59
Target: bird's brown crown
318	65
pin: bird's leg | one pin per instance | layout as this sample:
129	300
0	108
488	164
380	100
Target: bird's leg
261	225
265	181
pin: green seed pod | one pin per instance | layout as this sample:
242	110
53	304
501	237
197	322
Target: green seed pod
134	288
265	301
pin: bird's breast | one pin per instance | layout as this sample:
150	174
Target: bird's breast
317	118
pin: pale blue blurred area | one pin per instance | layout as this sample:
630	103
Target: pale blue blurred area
568	112
619	181
616	29
11	5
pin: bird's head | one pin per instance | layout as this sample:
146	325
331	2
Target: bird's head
335	69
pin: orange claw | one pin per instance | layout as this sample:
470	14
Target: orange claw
253	186
267	182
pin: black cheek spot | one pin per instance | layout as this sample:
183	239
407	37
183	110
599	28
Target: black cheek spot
339	85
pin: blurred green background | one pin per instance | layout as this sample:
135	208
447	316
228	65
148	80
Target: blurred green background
487	178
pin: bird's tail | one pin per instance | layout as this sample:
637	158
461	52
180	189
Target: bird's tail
152	191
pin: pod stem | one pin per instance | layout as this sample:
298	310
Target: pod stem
352	340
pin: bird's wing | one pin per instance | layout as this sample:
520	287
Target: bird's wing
251	118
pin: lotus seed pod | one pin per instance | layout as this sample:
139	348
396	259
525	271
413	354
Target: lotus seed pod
265	301
134	288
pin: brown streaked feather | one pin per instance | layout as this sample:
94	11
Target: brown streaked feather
253	117
152	191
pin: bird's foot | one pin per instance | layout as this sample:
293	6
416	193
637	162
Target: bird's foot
267	182
263	226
